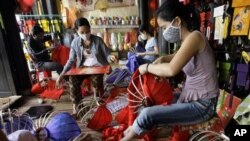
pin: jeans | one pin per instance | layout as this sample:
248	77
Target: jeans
50	66
175	114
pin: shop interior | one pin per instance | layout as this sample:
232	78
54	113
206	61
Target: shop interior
32	102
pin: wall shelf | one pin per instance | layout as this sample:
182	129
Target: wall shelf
114	26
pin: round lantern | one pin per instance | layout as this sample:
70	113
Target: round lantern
153	4
25	5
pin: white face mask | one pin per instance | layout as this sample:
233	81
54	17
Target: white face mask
84	36
172	34
143	36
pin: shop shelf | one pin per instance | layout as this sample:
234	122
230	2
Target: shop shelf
113	26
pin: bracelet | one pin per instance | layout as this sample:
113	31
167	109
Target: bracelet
147	67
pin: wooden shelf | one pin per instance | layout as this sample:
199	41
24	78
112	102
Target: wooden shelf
114	26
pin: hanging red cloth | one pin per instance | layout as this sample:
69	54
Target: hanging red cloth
60	54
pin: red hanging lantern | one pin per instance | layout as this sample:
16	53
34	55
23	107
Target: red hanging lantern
25	5
153	5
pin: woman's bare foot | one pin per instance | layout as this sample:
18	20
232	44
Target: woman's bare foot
129	134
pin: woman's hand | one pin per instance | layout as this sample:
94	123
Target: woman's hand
143	69
59	82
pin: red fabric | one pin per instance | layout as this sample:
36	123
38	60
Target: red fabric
51	91
115	92
102	117
179	135
60	55
37	88
122	116
157	91
114	133
86	87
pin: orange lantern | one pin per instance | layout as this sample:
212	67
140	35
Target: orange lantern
25	5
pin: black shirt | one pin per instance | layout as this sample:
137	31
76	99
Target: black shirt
37	49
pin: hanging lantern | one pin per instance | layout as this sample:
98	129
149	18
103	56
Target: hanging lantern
25	5
153	4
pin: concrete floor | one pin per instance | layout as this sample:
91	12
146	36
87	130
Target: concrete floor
64	104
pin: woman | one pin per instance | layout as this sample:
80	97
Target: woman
151	45
87	50
195	57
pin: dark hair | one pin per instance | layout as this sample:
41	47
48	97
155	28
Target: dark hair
173	8
37	30
144	28
81	22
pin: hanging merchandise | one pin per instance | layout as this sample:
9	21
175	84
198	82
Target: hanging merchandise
249	35
45	25
52	7
120	47
153	4
242	74
220	23
243	111
39	7
226	107
240	3
106	39
240	23
119	38
226	25
25	5
185	2
133	36
30	23
224	72
114	41
44	7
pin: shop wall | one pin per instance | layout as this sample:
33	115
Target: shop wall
119	11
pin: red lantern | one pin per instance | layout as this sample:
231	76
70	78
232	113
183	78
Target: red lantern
25	5
153	5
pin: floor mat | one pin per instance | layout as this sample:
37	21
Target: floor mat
36	111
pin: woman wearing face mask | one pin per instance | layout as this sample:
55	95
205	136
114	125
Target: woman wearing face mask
87	50
198	98
151	45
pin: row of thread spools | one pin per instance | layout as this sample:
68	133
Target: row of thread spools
119	41
115	20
